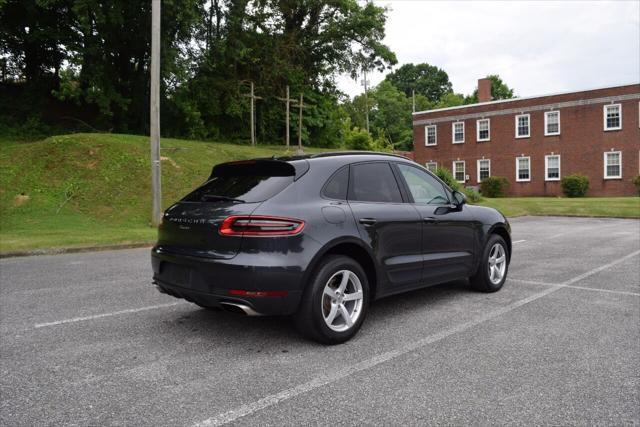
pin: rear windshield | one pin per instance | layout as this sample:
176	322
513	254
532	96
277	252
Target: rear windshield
247	182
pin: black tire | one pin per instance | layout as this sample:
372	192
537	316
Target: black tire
310	321
481	281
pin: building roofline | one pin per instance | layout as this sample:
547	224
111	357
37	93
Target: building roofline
499	101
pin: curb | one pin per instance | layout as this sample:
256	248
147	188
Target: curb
58	251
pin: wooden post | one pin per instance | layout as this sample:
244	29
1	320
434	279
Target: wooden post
300	123
253	111
154	125
253	123
287	102
287	130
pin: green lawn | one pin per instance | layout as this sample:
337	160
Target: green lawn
94	189
620	207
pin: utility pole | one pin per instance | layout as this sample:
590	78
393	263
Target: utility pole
253	108
300	107
287	102
365	83
154	125
413	100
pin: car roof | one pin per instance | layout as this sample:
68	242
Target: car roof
343	155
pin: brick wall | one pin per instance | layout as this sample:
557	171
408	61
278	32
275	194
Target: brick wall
581	143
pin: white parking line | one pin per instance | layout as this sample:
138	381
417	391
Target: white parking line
99	316
519	241
274	399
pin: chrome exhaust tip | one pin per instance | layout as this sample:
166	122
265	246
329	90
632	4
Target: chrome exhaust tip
235	307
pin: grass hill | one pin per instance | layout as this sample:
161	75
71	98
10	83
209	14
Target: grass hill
88	189
94	189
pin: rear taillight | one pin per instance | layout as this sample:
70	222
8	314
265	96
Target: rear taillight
265	226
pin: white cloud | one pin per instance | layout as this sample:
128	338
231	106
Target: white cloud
536	47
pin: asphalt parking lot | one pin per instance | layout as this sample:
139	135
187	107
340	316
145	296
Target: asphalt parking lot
86	340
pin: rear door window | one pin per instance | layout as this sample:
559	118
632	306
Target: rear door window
374	182
249	182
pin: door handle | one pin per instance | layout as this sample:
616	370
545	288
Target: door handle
367	221
429	220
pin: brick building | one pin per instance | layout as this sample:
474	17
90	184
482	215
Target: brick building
535	141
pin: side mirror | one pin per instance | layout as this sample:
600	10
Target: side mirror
459	198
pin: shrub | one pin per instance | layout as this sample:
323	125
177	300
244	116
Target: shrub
446	175
575	185
359	140
472	195
636	182
494	186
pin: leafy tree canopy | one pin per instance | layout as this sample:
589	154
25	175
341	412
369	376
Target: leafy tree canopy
427	80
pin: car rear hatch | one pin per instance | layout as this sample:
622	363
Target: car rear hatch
191	226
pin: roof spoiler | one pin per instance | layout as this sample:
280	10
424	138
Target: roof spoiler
263	167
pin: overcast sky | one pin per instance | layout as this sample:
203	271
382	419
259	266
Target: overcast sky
537	47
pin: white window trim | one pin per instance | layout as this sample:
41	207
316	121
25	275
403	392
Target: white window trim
528	127
453	133
426	135
547	133
546	167
605	165
604	115
426	165
518	169
464	170
478	168
478	130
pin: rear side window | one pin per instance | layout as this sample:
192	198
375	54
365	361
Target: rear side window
336	186
248	182
374	182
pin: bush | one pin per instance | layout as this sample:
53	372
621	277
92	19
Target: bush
575	185
636	182
472	195
446	175
359	140
494	186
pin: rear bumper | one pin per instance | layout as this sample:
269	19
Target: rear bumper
207	282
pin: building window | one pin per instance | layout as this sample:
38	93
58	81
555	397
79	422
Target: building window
483	131
523	170
522	126
458	171
457	130
430	136
432	166
552	123
612	117
613	165
484	169
552	168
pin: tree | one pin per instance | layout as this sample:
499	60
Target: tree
499	90
425	79
391	117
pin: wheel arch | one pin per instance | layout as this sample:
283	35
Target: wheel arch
502	231
351	248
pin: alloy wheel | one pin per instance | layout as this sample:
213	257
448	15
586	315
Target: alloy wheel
497	263
342	299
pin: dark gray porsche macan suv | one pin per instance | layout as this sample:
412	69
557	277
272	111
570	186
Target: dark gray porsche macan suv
319	237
